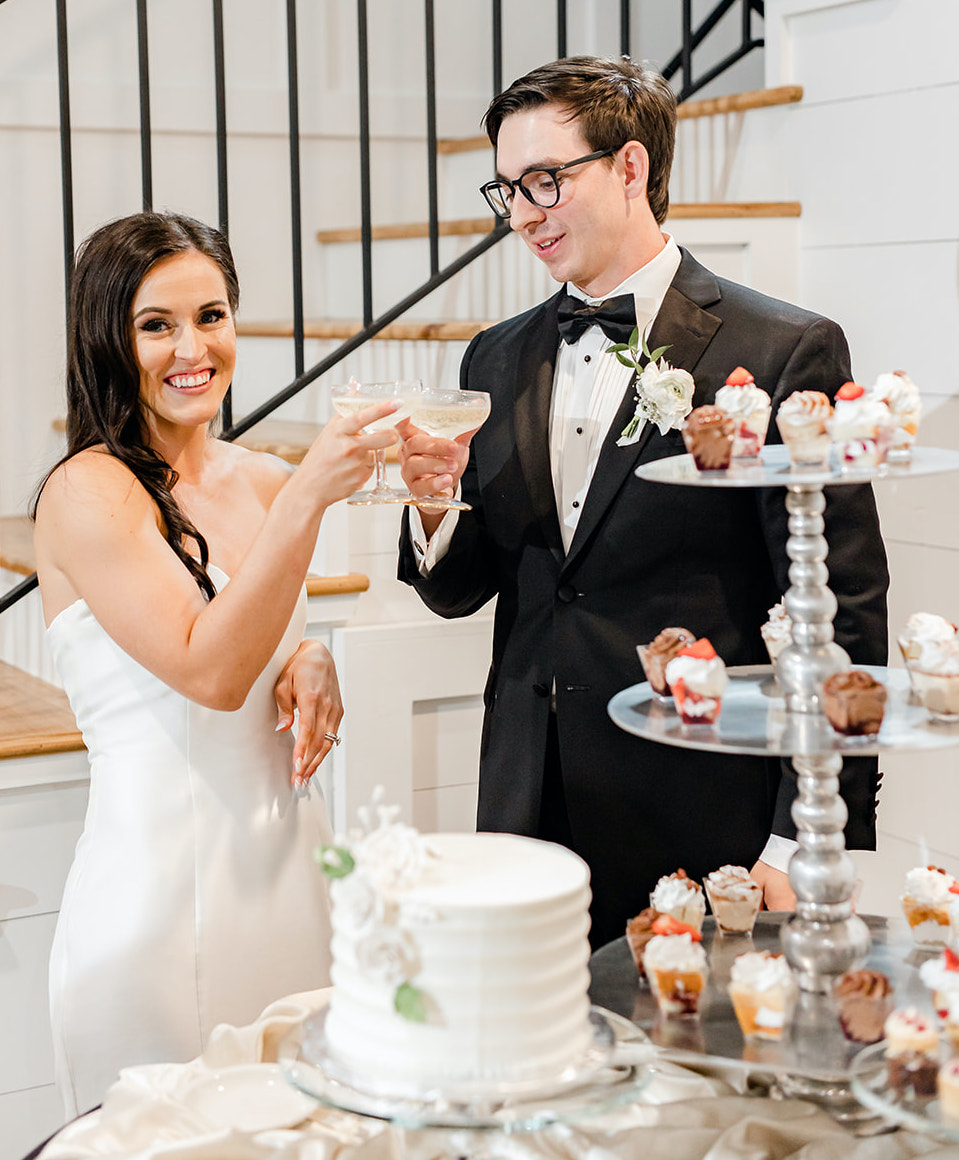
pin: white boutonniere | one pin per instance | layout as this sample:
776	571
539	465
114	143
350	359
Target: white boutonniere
664	395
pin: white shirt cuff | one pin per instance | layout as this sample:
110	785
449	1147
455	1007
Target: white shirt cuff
778	851
428	553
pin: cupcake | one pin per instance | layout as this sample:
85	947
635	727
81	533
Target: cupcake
864	999
854	702
749	407
708	433
947	1087
676	969
861	427
655	656
734	899
639	931
680	897
801	420
912	1052
762	990
925	902
697	681
777	632
935	679
941	976
901	396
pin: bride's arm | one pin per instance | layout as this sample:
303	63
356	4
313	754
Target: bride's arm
98	533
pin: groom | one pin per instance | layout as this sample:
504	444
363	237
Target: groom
585	560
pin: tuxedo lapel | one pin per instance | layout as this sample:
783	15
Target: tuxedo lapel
534	371
688	329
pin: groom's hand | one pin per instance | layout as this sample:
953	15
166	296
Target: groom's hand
777	893
429	465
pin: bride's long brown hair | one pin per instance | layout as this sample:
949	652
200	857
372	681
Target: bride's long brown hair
103	379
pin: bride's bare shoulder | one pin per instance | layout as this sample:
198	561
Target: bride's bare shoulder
92	482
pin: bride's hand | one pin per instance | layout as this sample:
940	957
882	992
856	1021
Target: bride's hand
308	684
341	457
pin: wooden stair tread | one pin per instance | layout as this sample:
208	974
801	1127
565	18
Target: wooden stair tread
711	107
35	717
289	439
16	545
719	209
451	331
337	585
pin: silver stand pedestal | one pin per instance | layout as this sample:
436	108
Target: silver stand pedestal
825	938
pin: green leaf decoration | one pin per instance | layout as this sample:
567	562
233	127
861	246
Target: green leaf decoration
410	1003
334	861
627	362
617	347
658	353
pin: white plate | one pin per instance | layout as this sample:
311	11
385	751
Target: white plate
252	1097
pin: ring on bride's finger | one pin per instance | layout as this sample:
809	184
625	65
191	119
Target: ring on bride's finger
333	737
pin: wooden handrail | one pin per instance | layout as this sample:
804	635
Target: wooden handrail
461	228
736	209
454	331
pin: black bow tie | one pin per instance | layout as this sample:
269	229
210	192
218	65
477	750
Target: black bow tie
615	316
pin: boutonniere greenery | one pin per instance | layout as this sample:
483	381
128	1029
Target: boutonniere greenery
664	395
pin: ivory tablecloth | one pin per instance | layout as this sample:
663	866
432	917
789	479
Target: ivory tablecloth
680	1115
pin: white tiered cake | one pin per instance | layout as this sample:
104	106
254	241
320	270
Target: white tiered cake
457	959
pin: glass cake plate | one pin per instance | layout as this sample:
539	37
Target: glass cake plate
613	1069
918	1113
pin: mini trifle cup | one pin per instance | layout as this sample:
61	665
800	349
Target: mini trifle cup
861	427
864	999
777	632
929	892
854	703
912	1052
734	899
708	433
941	976
639	930
925	638
763	992
901	396
681	898
655	656
676	968
697	679
749	407
938	693
802	419
947	1088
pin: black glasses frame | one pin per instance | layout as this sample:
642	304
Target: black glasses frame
502	185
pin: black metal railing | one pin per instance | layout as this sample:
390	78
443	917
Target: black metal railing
692	38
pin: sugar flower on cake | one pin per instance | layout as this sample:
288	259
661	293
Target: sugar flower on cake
388	955
359	902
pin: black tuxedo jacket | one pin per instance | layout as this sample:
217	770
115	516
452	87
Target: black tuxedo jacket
644	556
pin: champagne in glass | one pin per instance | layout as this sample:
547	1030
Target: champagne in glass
448	414
348	398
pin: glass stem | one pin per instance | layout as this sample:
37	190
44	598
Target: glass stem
380	457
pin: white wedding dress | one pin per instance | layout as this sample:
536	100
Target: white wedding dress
193	898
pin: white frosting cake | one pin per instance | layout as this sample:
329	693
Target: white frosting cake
469	965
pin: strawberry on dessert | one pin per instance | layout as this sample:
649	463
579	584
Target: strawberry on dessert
666	924
697	679
861	426
749	407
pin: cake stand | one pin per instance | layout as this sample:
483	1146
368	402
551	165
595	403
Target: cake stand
825	938
613	1070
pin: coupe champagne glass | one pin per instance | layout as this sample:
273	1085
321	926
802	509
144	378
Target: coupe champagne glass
348	398
448	414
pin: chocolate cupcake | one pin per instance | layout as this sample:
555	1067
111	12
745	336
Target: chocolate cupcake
865	1001
655	656
854	702
708	433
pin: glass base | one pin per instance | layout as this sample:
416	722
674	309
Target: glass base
380	495
442	503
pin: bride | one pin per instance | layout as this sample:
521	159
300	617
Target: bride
171	569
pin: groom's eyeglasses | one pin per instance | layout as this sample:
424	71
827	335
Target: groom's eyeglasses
540	187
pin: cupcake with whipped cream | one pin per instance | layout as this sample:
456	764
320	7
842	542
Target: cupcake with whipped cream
763	990
901	395
912	1052
861	427
926	899
655	656
682	898
697	680
749	407
676	968
941	976
802	419
734	899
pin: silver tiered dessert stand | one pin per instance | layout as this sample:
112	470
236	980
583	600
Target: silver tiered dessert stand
825	938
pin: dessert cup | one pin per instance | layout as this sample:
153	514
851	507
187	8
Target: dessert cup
639	931
941	976
708	433
697	680
854	703
801	420
947	1087
681	898
926	901
912	1052
734	899
749	407
864	999
938	693
901	396
763	992
676	969
655	656
861	427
